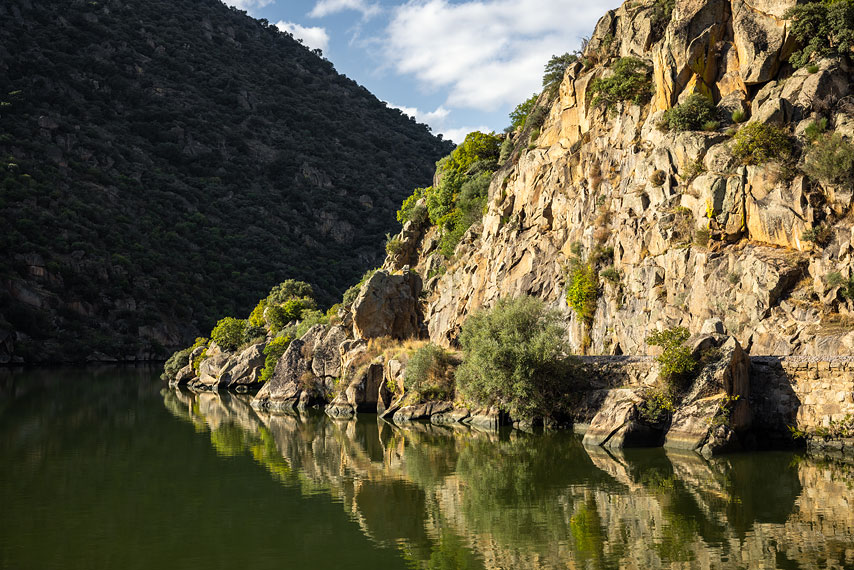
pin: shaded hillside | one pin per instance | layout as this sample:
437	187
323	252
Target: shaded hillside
166	162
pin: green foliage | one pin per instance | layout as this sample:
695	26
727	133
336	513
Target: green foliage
662	13
229	333
289	289
164	193
309	319
410	210
506	149
555	70
581	289
831	160
458	200
256	317
629	81
610	274
478	152
291	310
198	360
273	352
175	363
822	28
516	357
846	286
429	373
657	405
690	115
819	235
521	112
393	245
675	359
757	143
815	129
738	116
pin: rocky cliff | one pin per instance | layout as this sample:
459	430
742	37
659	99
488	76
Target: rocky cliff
676	224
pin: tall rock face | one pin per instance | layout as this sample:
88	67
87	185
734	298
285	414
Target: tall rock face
690	232
165	162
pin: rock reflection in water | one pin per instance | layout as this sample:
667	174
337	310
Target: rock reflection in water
453	497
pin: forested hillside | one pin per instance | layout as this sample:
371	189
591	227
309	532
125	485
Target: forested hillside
165	162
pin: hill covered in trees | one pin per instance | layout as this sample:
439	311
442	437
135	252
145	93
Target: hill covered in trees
165	162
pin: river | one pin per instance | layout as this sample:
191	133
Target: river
107	468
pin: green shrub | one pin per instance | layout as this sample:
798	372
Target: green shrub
229	333
519	115
610	274
555	70
176	362
629	82
429	373
815	129
309	319
831	160
256	317
516	358
691	115
411	210
675	360
506	149
393	245
289	289
812	68
657	405
819	235
738	116
581	289
291	310
757	143
711	125
197	362
822	29
273	352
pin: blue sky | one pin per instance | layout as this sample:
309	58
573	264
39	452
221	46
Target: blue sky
457	65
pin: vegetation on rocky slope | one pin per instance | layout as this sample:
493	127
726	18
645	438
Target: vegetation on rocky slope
163	163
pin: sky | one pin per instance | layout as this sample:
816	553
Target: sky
456	65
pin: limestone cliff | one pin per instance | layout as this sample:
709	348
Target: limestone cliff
691	232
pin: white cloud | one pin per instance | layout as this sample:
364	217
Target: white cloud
313	37
432	118
459	134
327	7
486	53
248	5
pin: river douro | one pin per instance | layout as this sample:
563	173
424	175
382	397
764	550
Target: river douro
107	468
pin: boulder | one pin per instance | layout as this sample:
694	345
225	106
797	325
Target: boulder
183	377
292	384
420	411
325	355
487	418
210	367
243	369
388	305
363	390
715	409
618	423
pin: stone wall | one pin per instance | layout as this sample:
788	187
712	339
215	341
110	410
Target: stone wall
801	391
804	392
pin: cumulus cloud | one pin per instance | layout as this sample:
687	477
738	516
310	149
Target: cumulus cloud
486	53
430	117
248	5
327	7
313	37
457	135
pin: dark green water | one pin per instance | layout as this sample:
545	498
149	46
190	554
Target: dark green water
104	468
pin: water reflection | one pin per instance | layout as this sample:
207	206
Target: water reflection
453	497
